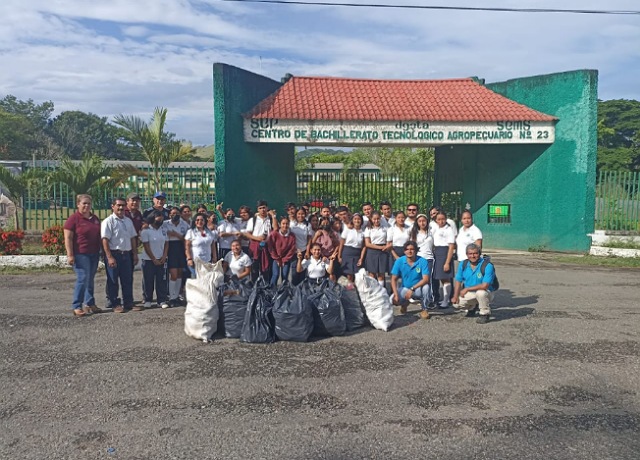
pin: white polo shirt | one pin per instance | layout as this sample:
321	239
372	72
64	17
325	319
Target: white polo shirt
444	236
377	235
315	268
465	237
352	237
237	264
425	245
118	231
182	228
302	231
227	227
156	238
398	236
261	226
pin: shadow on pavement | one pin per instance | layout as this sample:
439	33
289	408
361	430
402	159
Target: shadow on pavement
506	305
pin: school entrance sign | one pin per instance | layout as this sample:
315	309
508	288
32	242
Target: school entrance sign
423	133
520	154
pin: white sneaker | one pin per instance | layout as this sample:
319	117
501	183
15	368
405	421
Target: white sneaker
414	301
164	305
147	305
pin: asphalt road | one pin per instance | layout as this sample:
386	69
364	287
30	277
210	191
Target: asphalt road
555	375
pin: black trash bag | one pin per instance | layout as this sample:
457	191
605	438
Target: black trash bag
308	289
354	314
328	312
259	326
233	300
292	314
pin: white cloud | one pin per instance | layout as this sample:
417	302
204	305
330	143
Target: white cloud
128	57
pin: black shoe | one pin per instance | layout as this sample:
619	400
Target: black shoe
471	313
483	319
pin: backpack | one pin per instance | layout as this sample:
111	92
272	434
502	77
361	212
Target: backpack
496	284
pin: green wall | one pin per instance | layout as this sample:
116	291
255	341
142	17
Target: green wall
551	188
247	172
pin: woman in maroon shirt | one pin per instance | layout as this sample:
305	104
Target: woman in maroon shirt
82	241
281	244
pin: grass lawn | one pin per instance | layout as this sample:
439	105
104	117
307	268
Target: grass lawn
611	261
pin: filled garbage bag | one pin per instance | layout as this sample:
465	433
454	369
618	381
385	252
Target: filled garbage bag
201	314
354	314
328	312
233	299
259	326
376	301
292	314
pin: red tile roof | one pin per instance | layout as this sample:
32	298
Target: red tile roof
322	98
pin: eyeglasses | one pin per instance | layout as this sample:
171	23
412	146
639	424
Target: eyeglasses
412	209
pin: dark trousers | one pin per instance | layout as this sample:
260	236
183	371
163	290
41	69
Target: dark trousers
154	276
121	274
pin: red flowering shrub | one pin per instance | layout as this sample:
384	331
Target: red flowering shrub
11	242
53	240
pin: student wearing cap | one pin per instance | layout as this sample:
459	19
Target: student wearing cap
159	200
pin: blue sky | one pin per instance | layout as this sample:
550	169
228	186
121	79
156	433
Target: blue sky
121	56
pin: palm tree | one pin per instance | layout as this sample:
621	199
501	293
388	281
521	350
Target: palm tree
19	184
157	145
91	175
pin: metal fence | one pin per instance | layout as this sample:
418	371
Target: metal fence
44	204
353	188
618	201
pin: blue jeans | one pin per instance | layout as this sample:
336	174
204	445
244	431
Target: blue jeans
121	274
85	266
277	270
423	293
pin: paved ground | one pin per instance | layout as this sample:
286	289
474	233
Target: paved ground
555	375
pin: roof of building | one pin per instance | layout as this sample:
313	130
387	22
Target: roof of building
330	98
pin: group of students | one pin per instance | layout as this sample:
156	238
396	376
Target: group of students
336	241
330	242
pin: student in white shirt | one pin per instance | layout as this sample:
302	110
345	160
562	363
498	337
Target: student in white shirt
237	262
316	266
397	236
176	228
444	240
352	249
200	242
375	239
228	231
301	229
468	234
155	243
420	234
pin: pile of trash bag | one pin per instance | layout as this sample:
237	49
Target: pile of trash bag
258	313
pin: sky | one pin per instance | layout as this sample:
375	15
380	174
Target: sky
112	57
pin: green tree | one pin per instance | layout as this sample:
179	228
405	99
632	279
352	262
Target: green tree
619	135
22	129
159	147
91	175
78	133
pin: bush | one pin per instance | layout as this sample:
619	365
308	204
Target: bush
11	242
53	240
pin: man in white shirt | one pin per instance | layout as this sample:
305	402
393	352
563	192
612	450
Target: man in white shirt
119	238
257	231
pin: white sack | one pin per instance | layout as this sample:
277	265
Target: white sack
201	315
375	299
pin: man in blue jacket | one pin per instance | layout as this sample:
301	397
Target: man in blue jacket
474	284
